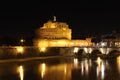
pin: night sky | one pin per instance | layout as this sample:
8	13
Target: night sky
84	18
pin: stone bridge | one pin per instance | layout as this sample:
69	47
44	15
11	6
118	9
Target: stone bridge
63	50
103	50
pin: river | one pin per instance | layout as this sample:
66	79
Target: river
66	68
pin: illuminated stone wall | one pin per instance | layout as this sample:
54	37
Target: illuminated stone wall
110	42
62	43
54	30
57	34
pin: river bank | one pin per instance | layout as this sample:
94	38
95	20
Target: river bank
20	52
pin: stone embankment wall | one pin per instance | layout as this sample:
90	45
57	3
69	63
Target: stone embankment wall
25	52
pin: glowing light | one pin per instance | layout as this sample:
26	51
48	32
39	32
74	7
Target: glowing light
20	49
21	72
104	50
43	49
90	50
85	67
65	69
54	18
76	50
22	40
75	62
118	63
86	50
103	44
64	28
100	68
102	71
42	43
99	60
82	68
42	69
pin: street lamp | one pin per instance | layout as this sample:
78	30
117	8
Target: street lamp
22	41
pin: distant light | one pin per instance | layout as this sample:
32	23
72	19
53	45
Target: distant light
86	50
100	69
20	49
99	60
42	69
84	67
118	63
76	49
22	40
54	18
21	72
43	49
64	28
103	44
75	62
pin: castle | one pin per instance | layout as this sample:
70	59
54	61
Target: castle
58	34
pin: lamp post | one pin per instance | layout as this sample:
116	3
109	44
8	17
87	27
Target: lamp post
22	41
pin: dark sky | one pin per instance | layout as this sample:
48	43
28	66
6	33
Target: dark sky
84	18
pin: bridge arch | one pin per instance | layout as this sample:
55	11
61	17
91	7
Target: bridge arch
80	52
105	50
114	52
89	50
96	52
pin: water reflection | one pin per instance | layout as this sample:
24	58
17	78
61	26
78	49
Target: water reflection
21	72
62	69
85	67
42	69
118	64
100	69
20	49
55	72
75	62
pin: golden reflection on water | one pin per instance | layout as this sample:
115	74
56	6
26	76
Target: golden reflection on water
118	64
100	69
62	69
20	49
85	67
21	72
43	69
75	62
55	72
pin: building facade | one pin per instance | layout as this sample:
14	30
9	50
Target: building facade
54	30
58	34
109	43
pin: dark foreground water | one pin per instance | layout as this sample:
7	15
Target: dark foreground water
69	68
